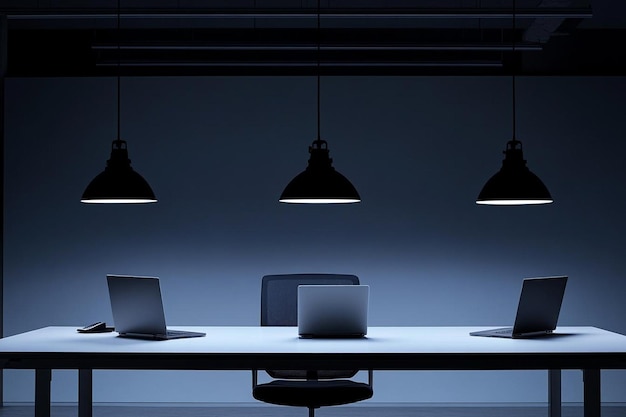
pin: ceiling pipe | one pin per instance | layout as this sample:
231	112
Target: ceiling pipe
304	47
273	13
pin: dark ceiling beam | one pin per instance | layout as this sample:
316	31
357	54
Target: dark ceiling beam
584	52
283	51
289	39
84	40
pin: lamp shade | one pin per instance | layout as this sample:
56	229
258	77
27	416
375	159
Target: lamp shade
118	183
514	184
320	183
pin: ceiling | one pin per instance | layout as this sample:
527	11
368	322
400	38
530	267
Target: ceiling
281	37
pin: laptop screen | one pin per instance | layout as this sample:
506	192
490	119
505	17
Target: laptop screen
136	304
539	304
332	310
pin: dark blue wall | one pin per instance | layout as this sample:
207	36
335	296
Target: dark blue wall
218	152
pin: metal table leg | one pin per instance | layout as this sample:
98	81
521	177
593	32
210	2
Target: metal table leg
591	381
42	392
85	392
554	392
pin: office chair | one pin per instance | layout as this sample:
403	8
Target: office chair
302	388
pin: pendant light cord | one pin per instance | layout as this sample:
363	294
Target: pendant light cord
514	61
318	35
118	72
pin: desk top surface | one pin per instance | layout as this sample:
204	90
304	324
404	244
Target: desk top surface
256	347
284	340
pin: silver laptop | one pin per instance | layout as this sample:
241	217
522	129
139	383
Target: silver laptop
537	311
137	309
332	310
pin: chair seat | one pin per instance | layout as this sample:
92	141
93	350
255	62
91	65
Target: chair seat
312	394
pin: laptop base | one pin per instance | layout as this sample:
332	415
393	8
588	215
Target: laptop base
332	336
171	334
507	332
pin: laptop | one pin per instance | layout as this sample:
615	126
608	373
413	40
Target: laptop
332	311
537	311
137	309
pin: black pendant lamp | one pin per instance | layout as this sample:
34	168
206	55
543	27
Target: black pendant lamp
514	184
320	183
118	183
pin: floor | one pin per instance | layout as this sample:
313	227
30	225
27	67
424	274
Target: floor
344	411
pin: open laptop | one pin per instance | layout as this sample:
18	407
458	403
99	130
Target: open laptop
137	309
332	311
537	311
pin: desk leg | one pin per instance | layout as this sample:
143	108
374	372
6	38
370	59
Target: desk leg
85	392
554	392
592	401
42	392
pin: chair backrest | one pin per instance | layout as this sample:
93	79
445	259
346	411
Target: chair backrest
279	295
279	307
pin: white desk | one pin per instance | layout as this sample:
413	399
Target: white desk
250	348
